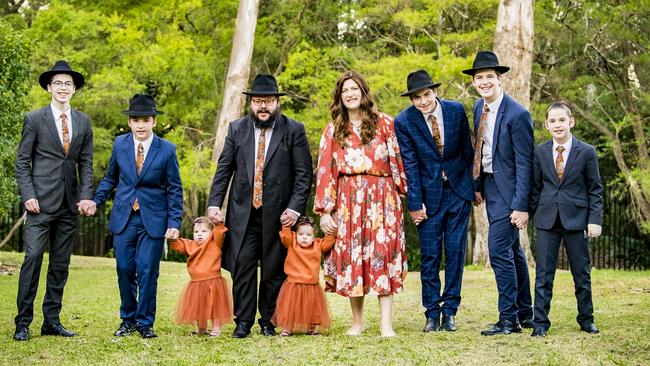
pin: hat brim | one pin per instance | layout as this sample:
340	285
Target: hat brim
251	93
408	93
45	78
141	113
500	69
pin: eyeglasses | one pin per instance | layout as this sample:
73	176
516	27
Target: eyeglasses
259	102
60	84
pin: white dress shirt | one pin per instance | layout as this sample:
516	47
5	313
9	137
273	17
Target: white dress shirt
437	113
57	120
489	134
565	154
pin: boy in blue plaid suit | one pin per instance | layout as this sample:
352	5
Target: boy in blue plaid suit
436	148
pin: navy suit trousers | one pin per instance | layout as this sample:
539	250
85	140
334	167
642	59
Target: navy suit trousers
507	258
138	262
449	221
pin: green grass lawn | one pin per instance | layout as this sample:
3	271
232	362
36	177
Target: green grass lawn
91	307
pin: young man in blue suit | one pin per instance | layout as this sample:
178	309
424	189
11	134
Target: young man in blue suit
147	208
567	202
436	148
502	172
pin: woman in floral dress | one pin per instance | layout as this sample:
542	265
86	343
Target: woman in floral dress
358	182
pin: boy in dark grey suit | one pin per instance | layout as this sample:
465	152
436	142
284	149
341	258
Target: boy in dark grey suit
566	198
56	147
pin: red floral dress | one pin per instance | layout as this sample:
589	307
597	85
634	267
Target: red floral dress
360	186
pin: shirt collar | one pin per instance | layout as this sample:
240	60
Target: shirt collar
437	112
57	113
145	144
494	106
567	145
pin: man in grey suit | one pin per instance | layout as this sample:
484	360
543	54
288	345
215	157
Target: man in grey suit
54	172
267	156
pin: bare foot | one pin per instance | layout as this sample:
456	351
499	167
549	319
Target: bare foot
355	330
388	332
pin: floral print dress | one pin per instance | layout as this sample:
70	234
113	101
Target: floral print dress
360	186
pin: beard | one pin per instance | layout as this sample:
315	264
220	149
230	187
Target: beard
269	122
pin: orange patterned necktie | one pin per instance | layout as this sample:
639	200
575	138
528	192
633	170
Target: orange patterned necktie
559	162
436	132
65	132
139	161
259	170
478	149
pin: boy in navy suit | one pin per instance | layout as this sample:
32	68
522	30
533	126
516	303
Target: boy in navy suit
566	199
436	148
147	208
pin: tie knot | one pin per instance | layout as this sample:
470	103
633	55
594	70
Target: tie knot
64	116
431	117
140	147
486	108
560	149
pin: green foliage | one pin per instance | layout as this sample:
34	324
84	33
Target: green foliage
14	71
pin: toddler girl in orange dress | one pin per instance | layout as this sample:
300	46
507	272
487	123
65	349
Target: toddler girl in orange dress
207	295
301	305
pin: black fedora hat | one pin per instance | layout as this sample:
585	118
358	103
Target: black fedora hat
264	85
418	80
61	67
142	105
486	60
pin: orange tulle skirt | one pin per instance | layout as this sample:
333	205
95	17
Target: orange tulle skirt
302	308
205	300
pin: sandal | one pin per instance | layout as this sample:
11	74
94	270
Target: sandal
215	333
285	333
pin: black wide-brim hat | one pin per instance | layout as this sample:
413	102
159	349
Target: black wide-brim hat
61	67
264	85
486	60
142	105
418	80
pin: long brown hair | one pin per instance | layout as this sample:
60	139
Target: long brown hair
369	113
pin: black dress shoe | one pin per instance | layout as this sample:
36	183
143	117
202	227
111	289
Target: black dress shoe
267	330
503	326
538	332
242	330
526	323
448	323
589	328
124	330
21	334
432	325
56	330
147	333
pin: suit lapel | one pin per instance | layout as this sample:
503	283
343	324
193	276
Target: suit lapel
151	155
573	155
76	126
248	143
421	124
278	133
497	123
129	152
447	122
549	162
50	122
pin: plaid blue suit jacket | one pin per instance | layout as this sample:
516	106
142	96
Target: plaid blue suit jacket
424	164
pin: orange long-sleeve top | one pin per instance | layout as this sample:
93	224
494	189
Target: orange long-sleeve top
204	260
303	264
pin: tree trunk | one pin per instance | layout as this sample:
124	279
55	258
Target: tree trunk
513	44
13	230
233	101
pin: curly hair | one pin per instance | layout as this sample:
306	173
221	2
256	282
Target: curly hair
304	220
369	113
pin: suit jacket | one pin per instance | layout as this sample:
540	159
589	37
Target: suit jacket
577	198
512	152
44	172
287	181
424	164
158	188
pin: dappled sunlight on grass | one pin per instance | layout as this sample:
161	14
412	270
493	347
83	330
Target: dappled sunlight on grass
91	307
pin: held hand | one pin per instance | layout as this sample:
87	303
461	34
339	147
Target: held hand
32	206
172	234
328	225
594	231
288	218
519	218
478	198
87	207
419	216
214	214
